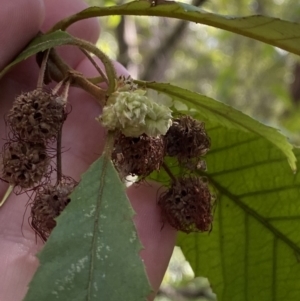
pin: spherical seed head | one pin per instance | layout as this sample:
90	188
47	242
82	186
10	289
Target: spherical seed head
134	114
36	116
187	139
137	156
48	204
187	205
24	163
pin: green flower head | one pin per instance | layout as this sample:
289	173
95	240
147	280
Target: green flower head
135	114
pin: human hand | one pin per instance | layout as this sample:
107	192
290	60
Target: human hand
83	139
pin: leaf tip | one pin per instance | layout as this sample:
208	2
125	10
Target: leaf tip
293	163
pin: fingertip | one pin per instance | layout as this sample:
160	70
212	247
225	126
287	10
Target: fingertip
88	29
20	21
157	238
56	10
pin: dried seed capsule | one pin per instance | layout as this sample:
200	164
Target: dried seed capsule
24	163
138	156
36	116
187	205
187	139
48	204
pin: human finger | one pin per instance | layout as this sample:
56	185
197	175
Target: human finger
157	238
18	248
88	29
26	73
20	21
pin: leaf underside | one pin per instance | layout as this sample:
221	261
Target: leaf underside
92	253
218	113
253	251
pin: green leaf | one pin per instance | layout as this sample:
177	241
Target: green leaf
217	112
40	43
273	31
93	253
253	251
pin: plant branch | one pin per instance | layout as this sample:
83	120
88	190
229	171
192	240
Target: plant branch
123	46
89	47
95	65
109	67
59	135
59	71
169	172
58	156
8	192
40	82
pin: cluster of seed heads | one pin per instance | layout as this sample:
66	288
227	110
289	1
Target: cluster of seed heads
34	122
36	119
187	205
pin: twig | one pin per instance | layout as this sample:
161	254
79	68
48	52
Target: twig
40	82
168	171
95	65
59	136
58	156
7	194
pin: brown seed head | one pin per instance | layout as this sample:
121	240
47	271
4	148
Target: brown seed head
36	116
138	156
187	139
187	205
48	204
24	163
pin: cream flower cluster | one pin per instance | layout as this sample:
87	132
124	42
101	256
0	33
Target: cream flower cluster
135	114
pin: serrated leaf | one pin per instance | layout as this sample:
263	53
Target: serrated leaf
213	111
273	31
93	253
38	44
253	251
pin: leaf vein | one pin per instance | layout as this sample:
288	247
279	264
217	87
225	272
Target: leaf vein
216	150
266	191
274	269
245	167
256	216
260	25
246	261
95	228
223	265
283	218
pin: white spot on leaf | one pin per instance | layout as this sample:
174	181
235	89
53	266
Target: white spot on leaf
92	211
133	237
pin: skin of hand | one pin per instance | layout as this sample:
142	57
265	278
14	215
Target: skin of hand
83	140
